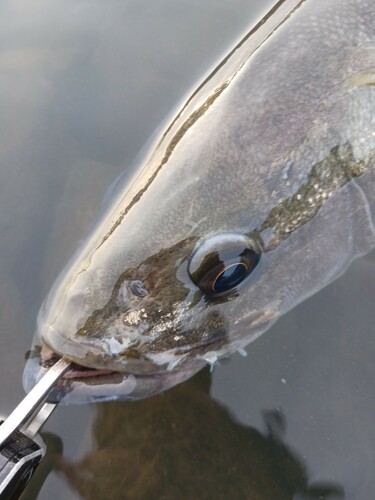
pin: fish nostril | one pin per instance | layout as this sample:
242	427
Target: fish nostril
138	288
123	296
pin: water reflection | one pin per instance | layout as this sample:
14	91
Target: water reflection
186	445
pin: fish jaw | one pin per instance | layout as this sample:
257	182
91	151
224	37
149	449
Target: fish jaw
82	385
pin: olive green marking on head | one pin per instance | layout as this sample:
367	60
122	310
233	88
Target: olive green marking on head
215	326
325	178
165	291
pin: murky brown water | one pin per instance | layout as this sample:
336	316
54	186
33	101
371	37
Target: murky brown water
82	86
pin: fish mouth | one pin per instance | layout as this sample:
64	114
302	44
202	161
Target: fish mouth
77	371
82	384
48	358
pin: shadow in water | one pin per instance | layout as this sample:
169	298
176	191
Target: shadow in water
185	445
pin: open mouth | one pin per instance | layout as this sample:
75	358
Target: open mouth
83	384
76	371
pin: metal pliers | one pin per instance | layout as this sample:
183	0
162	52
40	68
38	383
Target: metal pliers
20	453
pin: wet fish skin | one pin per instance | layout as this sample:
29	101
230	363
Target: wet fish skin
278	145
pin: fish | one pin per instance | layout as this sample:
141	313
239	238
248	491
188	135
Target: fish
257	193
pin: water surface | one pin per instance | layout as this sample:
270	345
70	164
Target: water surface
83	85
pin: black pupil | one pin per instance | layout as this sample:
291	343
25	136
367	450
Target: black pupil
222	262
230	277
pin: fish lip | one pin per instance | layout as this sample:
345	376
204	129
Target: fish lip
75	370
49	357
78	371
115	386
84	384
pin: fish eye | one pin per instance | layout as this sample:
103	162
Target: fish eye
222	262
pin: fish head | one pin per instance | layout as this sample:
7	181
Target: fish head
161	321
148	300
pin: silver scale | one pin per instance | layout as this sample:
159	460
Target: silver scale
20	453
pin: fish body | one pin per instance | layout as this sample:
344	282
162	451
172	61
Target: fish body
257	194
